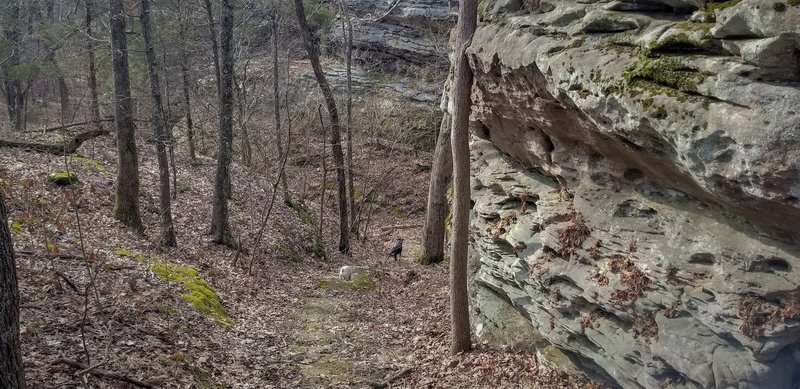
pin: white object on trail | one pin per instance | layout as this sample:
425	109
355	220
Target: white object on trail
346	272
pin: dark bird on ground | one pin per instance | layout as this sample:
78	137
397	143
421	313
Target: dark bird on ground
397	250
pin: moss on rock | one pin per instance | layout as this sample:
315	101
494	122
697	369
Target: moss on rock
667	71
88	163
63	178
200	295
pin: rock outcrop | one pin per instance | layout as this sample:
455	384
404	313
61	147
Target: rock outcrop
636	185
392	35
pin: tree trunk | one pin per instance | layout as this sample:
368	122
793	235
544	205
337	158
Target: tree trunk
14	88
167	229
336	135
185	76
351	188
324	177
462	103
93	99
241	92
277	98
214	45
126	205
12	374
220	226
441	174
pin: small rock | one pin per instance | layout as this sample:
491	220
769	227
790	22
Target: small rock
346	272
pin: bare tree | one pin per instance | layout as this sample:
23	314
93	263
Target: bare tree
126	205
462	104
12	374
348	42
185	84
14	89
277	99
220	225
93	99
213	36
336	135
161	137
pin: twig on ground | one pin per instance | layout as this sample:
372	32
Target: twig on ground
67	280
388	381
103	373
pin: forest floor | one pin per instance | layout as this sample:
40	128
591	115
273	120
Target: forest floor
188	317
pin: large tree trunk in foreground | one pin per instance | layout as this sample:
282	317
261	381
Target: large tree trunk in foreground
462	103
441	173
12	375
336	133
167	229
220	226
126	204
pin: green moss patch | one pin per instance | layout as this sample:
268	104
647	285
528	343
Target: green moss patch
200	295
711	7
398	213
779	6
666	71
360	281
794	3
16	225
659	112
88	163
304	213
63	178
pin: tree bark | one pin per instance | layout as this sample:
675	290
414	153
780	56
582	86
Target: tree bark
220	225
93	99
276	97
185	77
336	134
462	103
347	31
161	137
441	174
13	88
126	205
12	374
213	36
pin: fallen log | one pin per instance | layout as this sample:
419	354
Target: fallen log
66	148
86	369
76	124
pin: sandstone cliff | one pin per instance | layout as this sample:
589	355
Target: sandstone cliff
636	186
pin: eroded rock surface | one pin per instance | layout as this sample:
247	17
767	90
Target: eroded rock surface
394	34
636	185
